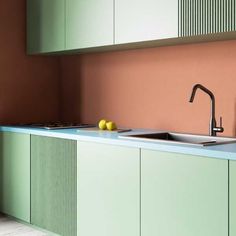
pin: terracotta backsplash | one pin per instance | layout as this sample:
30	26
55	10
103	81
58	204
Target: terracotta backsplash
146	88
150	88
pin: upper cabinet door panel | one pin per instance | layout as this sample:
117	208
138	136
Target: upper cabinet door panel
143	20
46	25
89	23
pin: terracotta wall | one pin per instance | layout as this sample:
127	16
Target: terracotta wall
146	88
150	88
29	86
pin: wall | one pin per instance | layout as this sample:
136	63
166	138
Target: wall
150	88
29	86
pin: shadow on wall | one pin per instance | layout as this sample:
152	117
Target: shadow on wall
29	85
70	89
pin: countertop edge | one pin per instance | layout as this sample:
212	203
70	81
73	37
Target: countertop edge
225	152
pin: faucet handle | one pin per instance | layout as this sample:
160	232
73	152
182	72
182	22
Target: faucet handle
221	122
219	129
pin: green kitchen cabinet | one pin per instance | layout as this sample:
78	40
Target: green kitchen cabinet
108	190
45	26
53	184
89	23
232	198
183	195
15	175
144	20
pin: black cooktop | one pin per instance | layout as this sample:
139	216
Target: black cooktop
57	125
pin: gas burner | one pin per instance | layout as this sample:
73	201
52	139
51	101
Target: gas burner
57	125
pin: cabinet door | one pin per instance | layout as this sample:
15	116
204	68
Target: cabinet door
15	175
142	20
183	195
232	197
45	26
108	190
53	184
89	23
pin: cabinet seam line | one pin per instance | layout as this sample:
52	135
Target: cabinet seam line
30	182
228	198
114	14
140	193
65	30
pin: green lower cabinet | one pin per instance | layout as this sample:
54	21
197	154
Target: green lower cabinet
183	195
232	197
15	175
108	190
53	184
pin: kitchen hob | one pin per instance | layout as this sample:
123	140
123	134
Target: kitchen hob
56	125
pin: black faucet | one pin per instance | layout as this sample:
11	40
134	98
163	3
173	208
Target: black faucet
213	129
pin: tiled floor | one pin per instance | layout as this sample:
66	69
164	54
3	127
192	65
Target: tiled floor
9	227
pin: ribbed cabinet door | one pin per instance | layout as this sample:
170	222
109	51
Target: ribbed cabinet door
45	26
199	17
53	184
15	175
232	197
108	190
183	195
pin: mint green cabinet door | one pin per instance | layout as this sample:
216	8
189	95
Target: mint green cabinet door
15	175
232	198
143	20
45	26
53	184
108	190
89	23
183	195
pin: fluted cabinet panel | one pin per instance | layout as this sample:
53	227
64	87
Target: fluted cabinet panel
199	17
53	184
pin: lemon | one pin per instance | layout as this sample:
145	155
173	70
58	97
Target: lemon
111	125
102	124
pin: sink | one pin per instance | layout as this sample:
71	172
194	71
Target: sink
179	138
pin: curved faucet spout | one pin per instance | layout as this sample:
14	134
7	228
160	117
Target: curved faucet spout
213	128
199	86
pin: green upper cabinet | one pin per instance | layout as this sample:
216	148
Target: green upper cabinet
232	197
183	195
143	20
45	26
89	23
53	184
108	190
15	175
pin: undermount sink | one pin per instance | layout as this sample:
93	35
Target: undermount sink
179	138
